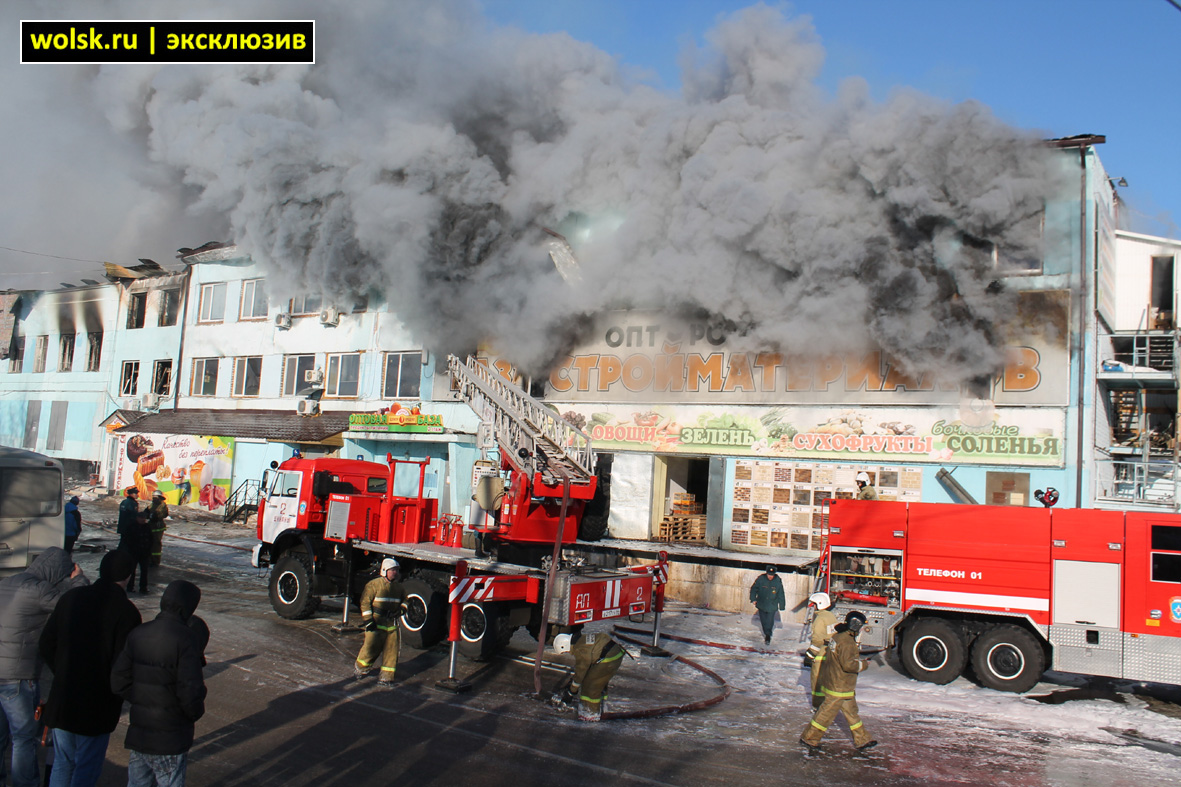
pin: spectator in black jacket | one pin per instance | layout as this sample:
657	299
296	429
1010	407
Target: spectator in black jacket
159	673
85	633
26	600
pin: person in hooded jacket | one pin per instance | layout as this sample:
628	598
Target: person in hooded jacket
73	523
26	601
159	674
85	633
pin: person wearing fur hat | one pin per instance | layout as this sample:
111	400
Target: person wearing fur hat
159	674
382	602
85	633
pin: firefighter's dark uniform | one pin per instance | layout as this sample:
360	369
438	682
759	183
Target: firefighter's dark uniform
597	658
381	606
838	678
157	513
824	626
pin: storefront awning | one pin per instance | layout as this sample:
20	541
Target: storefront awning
282	426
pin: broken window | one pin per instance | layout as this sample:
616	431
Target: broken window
65	361
137	303
16	358
169	308
94	350
42	351
129	379
162	378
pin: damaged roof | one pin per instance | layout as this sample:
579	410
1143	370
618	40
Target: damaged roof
284	426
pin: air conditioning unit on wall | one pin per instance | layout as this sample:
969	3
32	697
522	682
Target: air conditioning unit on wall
283	320
151	401
131	403
307	407
330	316
314	376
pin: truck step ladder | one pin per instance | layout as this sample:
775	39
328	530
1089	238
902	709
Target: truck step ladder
519	421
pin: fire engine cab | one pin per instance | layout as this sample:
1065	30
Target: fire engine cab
1010	591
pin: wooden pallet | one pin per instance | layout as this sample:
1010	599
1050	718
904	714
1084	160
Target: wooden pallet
683	527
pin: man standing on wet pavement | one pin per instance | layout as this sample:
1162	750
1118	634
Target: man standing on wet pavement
135	537
382	602
85	633
838	677
824	627
767	596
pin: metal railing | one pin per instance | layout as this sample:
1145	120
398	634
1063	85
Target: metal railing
1144	483
244	501
518	421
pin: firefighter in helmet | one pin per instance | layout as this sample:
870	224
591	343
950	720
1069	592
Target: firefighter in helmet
382	603
864	490
838	678
597	658
824	627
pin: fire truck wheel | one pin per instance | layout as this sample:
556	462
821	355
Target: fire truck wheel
933	650
1008	658
484	630
423	622
291	588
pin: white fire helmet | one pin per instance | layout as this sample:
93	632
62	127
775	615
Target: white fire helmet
862	476
387	564
562	643
821	600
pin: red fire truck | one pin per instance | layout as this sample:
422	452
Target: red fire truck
1010	591
324	524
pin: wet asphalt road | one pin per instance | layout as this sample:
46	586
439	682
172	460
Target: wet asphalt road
284	709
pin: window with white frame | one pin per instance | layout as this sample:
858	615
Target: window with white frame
213	302
254	300
294	369
65	358
204	381
129	379
162	377
403	375
247	374
42	351
307	304
344	375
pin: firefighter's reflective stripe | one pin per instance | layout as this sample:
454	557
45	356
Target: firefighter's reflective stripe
855	726
617	656
832	693
819	727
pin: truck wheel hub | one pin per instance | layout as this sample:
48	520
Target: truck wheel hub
930	653
1005	661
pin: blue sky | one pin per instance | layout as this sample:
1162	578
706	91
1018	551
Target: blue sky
1061	67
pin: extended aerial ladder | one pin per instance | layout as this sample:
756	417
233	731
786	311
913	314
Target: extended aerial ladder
530	435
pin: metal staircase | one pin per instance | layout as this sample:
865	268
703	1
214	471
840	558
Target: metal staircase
535	437
244	501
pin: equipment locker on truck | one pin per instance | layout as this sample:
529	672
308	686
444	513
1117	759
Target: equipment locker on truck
1011	591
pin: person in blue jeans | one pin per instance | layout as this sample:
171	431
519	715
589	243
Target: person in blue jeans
85	633
159	674
26	601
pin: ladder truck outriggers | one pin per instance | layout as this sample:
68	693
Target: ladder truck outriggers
324	525
1010	591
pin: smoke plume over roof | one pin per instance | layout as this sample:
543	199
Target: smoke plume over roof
427	150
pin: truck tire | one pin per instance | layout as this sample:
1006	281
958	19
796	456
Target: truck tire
291	588
484	630
1008	658
933	650
423	622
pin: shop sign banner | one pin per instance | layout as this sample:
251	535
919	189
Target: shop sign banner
975	433
399	420
645	357
193	470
